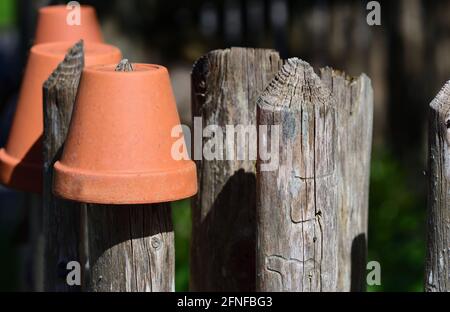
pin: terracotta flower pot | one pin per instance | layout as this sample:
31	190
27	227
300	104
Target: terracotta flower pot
118	150
52	25
21	159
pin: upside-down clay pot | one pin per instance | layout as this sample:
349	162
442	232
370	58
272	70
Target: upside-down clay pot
118	149
52	25
21	159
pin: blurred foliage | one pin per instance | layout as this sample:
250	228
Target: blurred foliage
7	13
397	213
181	212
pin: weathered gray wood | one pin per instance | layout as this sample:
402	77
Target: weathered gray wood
297	200
225	87
129	247
437	267
353	101
61	217
124	65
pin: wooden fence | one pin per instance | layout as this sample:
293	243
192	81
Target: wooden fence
300	225
437	267
303	225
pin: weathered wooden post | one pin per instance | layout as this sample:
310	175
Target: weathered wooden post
353	102
312	204
437	267
61	217
131	248
225	87
297	194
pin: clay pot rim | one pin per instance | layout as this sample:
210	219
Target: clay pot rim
42	49
86	186
12	161
96	173
62	7
9	164
138	69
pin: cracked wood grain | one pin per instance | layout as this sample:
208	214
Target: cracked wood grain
437	266
353	101
225	87
61	218
297	202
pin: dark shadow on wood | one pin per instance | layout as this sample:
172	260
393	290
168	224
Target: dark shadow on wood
231	225
359	261
129	222
120	236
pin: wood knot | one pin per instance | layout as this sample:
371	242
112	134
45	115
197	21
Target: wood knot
156	243
124	66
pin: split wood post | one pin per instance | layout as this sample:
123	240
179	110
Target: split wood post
225	87
61	217
297	195
353	101
437	267
130	247
313	207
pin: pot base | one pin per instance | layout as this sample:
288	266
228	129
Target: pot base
20	175
124	188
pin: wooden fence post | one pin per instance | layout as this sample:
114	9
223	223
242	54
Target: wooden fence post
61	217
353	101
437	267
130	247
225	87
297	195
312	207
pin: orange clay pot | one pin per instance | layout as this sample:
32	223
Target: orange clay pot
118	150
21	159
52	25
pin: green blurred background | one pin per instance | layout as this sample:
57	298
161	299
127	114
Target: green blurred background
406	58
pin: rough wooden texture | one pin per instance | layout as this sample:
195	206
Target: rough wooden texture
297	202
353	101
131	248
124	65
61	218
225	87
437	268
